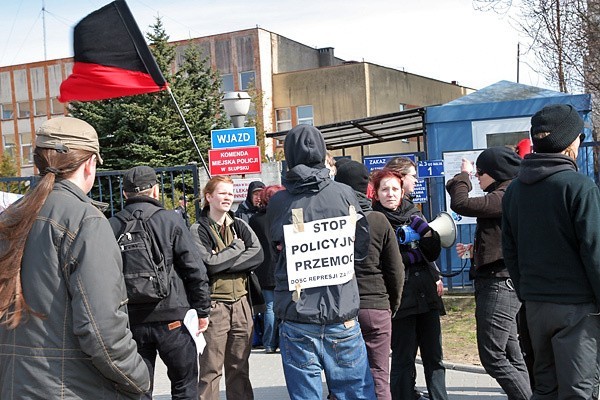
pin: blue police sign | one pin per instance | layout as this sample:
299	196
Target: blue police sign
233	137
430	168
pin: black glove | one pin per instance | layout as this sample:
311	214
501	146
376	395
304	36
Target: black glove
411	256
419	225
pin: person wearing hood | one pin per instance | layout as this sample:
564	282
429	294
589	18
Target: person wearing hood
551	247
251	205
317	231
496	302
380	280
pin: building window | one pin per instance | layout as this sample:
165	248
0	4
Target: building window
26	149
8	112
8	143
56	107
305	115
24	111
39	107
227	83
283	119
246	78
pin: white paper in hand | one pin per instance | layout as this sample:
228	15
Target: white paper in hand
191	323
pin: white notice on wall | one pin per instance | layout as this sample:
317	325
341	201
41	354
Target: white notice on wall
320	253
452	163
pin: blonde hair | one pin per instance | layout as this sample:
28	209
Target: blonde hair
330	162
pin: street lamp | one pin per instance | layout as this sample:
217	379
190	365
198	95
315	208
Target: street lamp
236	105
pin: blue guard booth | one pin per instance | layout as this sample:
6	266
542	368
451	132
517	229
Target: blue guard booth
497	115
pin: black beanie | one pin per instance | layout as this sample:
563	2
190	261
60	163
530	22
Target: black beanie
563	124
501	163
304	144
353	174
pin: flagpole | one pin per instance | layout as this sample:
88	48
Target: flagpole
187	128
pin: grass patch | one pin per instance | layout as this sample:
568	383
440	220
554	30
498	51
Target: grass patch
458	330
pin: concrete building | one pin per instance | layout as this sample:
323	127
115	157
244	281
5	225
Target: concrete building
300	84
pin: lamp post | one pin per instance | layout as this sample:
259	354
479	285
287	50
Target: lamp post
236	105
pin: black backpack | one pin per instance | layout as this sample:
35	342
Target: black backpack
146	275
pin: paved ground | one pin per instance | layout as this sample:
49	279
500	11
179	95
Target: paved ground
266	374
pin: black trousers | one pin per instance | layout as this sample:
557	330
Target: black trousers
565	339
177	349
421	331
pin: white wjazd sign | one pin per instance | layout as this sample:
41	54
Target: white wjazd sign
320	253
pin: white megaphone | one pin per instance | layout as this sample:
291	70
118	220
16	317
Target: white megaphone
445	226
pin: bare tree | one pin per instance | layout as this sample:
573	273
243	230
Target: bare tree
565	38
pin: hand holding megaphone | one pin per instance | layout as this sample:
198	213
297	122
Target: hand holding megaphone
443	224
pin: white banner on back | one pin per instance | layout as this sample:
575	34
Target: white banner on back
320	253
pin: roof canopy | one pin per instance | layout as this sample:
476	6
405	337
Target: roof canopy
358	132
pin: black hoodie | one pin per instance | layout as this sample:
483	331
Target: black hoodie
310	189
551	232
247	209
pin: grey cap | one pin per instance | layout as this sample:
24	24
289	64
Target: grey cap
65	133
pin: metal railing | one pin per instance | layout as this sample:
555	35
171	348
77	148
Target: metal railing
108	188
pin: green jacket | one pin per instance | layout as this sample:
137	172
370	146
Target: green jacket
551	232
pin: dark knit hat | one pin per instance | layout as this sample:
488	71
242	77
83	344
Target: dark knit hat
501	163
138	179
341	160
305	145
563	124
353	174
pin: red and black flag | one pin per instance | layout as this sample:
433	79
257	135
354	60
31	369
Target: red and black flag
112	58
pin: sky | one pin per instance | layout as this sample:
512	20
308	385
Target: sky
447	40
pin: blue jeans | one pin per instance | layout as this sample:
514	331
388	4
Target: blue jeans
496	311
307	349
270	323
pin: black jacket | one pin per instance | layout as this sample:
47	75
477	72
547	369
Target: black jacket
419	294
311	190
266	270
246	209
487	248
551	232
189	286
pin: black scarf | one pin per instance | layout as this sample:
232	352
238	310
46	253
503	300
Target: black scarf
399	216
